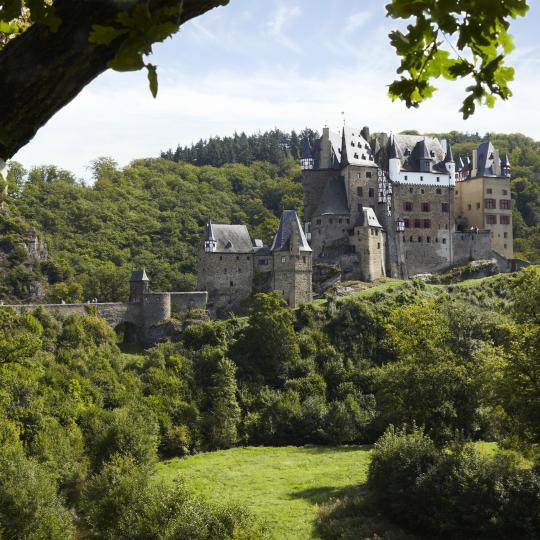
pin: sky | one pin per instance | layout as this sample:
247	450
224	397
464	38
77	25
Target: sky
258	64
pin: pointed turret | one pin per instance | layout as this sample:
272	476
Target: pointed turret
394	161
505	165
138	285
449	158
289	227
344	158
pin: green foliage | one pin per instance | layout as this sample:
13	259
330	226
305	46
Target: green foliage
454	493
426	50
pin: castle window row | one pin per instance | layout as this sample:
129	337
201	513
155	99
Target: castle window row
360	192
424	207
491	219
420	239
418	223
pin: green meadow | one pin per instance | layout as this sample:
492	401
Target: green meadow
282	486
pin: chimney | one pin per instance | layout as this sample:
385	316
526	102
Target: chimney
365	133
474	163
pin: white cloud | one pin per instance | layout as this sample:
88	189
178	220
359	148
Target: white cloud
275	27
356	21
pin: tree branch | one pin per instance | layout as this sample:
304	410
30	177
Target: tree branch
42	71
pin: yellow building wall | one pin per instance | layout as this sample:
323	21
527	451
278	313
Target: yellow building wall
470	204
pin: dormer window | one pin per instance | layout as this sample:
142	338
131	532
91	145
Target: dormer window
407	152
432	153
228	245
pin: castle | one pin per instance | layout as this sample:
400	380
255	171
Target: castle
384	205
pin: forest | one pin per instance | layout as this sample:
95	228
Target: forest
423	371
152	212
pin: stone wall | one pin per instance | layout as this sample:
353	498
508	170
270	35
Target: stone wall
292	276
228	278
427	240
183	301
325	231
361	183
469	246
114	313
369	246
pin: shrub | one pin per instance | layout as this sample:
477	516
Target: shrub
453	493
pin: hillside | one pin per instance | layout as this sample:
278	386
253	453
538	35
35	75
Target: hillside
152	212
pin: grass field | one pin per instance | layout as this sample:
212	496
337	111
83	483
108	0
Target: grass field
283	486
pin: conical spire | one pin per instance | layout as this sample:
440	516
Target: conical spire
393	151
423	150
449	158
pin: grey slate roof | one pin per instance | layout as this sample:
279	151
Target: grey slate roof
334	198
355	150
411	148
485	159
367	218
139	275
229	238
289	224
505	161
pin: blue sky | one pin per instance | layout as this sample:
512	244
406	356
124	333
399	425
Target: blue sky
255	65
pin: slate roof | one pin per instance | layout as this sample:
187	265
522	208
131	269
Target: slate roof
334	198
485	159
229	238
412	148
335	142
355	150
367	218
139	275
289	224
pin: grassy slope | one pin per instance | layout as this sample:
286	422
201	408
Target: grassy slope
283	486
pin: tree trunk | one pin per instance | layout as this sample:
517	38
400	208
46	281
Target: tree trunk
42	71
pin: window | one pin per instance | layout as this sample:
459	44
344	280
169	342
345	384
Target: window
438	179
438	191
421	179
368	174
318	222
422	191
348	221
411	239
330	221
359	176
371	192
263	262
444	240
407	223
490	204
505	246
469	207
491	219
417	223
505	220
489	191
220	258
505	204
425	207
407	206
410	189
505	235
359	191
420	239
406	179
304	260
445	207
231	283
247	257
428	239
427	223
283	259
378	245
505	192
478	206
376	232
340	220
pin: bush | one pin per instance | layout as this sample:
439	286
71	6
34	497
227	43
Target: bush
123	503
455	493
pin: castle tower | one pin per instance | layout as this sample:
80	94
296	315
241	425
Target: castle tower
394	163
139	285
292	259
449	161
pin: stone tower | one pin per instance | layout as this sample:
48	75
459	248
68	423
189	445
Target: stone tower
292	259
139	285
